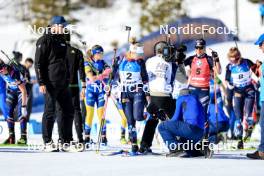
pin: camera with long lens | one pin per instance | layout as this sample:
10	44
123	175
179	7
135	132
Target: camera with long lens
172	53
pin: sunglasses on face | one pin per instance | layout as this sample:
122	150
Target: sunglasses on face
260	44
199	47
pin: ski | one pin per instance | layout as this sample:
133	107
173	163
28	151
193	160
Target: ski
120	152
133	154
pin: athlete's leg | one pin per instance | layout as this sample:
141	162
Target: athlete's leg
100	101
90	102
127	103
11	105
23	121
238	109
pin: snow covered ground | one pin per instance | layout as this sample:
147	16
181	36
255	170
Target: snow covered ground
89	163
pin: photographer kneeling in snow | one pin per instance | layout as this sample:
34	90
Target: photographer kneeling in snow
187	123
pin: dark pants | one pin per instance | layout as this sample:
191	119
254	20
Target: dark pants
167	104
62	97
203	96
78	121
83	111
243	105
29	100
230	109
133	105
169	130
14	101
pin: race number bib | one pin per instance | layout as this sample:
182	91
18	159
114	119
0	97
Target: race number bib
241	79
130	78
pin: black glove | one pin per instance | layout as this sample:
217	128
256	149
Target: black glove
215	56
180	57
156	112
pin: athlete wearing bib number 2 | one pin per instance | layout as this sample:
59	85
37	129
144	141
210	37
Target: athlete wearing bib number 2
238	76
133	77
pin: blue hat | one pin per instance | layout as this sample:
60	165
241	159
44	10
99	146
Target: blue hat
97	49
58	20
260	40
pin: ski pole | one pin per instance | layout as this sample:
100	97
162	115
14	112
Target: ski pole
235	40
105	107
215	97
13	62
128	28
9	59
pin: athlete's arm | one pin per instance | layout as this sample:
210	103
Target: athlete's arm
215	64
252	73
228	77
23	90
144	74
89	74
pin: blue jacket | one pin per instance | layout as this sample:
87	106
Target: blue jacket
2	85
13	79
190	110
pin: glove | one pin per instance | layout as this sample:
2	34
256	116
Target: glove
107	72
156	112
24	111
104	75
215	56
230	86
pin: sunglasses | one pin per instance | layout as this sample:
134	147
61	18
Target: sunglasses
260	44
199	47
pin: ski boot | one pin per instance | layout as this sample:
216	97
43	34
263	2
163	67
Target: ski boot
144	149
10	140
123	140
79	147
104	140
208	153
240	144
51	147
134	149
256	155
248	131
22	140
87	139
